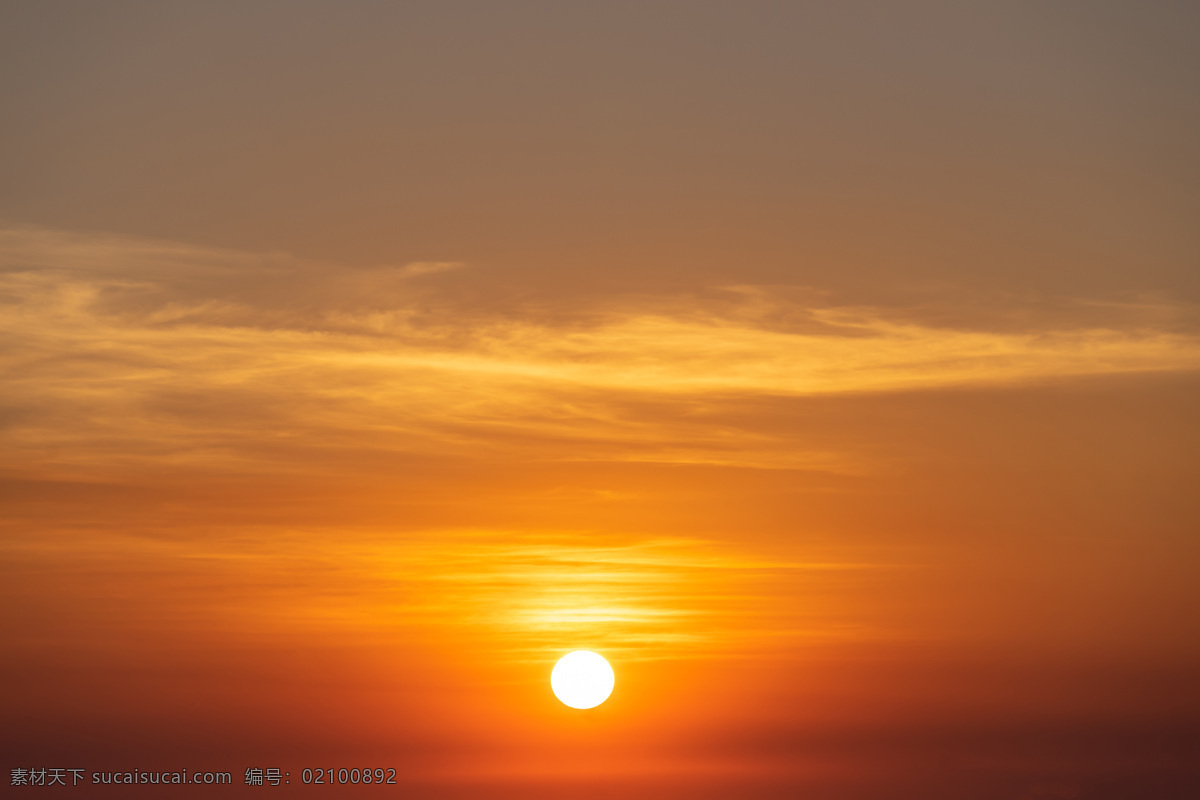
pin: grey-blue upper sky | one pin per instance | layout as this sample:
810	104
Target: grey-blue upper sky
874	150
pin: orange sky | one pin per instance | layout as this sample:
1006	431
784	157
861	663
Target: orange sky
831	370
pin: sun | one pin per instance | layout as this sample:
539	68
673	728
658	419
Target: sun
582	679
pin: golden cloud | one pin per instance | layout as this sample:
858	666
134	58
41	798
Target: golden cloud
121	351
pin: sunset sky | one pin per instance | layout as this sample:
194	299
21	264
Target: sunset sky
833	369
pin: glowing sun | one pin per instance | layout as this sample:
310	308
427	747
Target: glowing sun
582	679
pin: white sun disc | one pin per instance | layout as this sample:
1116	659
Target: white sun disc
582	679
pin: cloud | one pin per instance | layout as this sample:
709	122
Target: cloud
119	352
415	268
529	593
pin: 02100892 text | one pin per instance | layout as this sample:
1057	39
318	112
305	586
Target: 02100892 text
346	775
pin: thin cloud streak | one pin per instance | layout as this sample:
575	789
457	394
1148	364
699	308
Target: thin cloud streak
527	595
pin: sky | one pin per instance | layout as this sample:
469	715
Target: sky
831	368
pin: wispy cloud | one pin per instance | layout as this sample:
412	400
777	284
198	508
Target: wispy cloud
415	268
528	595
119	352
